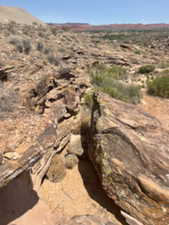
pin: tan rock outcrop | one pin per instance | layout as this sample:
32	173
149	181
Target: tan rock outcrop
130	150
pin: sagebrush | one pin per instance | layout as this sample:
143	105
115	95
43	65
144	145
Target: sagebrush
111	81
159	86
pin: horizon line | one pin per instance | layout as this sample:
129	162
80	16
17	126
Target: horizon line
85	23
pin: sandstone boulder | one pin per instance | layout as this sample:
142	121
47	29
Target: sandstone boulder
130	151
71	161
75	146
57	169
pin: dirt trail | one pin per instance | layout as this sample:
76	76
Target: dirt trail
79	194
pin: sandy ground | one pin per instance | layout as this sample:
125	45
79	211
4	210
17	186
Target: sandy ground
157	107
79	194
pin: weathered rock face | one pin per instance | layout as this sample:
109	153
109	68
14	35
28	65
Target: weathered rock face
36	119
130	150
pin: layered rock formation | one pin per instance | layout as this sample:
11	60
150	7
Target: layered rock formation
36	122
129	150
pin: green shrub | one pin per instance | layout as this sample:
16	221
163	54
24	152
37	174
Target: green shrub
21	45
27	46
159	86
12	27
40	46
112	37
53	60
124	92
17	43
47	51
88	99
146	69
53	30
138	52
100	71
109	80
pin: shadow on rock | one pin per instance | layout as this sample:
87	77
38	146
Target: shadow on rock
95	190
17	198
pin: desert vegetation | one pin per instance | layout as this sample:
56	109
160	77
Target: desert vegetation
111	81
159	86
146	69
21	45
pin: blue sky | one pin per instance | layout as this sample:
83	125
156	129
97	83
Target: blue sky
96	11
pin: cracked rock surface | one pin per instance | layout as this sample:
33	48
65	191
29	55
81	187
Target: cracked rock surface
129	150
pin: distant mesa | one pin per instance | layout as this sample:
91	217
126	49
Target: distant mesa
17	15
113	27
